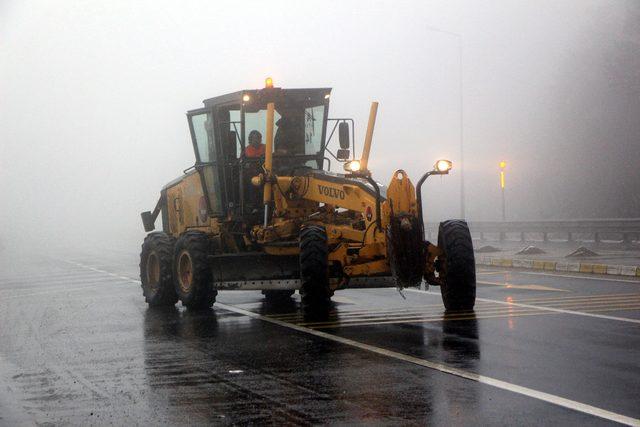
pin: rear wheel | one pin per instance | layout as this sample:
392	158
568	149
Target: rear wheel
314	267
457	266
192	271
156	273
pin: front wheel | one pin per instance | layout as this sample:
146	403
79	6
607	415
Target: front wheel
192	271
457	267
314	267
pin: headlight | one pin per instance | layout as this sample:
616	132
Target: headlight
443	166
352	166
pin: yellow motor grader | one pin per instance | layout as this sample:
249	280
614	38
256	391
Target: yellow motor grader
268	214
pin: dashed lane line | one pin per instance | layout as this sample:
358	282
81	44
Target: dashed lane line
540	307
576	297
438	307
514	314
340	325
342	300
58	291
560	302
483	313
374	316
415	318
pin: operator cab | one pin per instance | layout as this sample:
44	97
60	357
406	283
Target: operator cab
226	161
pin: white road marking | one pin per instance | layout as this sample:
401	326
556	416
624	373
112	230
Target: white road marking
59	291
96	281
580	297
504	385
540	307
514	388
520	313
341	299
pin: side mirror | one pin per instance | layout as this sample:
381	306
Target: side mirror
343	154
343	135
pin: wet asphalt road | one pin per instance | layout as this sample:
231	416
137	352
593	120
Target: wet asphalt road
79	346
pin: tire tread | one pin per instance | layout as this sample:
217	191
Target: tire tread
163	245
459	287
314	271
203	294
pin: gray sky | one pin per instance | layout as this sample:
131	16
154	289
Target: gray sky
93	96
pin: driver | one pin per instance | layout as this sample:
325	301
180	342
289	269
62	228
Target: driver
255	148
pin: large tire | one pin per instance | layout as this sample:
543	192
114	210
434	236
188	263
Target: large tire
156	270
457	267
314	267
192	271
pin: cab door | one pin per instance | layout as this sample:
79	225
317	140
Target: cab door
206	148
228	134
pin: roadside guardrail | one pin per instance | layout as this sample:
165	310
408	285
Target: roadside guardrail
621	229
561	266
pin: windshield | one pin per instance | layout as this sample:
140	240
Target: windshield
298	128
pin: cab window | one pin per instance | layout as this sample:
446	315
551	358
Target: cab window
202	125
313	123
202	128
258	121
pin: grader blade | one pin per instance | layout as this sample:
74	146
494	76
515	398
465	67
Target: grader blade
255	270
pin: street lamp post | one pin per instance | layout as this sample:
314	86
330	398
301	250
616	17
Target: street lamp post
503	164
462	206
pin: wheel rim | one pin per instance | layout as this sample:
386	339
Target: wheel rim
153	270
185	271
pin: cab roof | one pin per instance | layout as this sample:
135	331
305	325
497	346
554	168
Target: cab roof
270	93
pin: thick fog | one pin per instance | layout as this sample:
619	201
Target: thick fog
93	97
